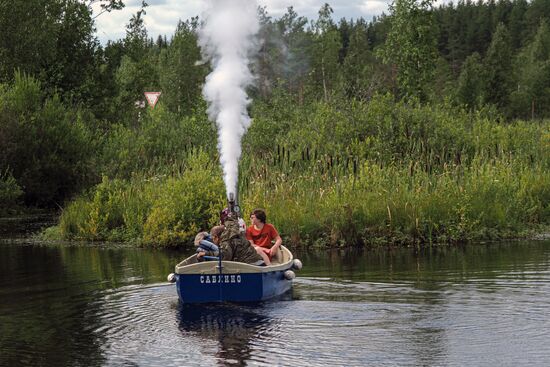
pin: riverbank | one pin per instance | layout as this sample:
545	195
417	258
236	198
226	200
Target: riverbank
368	173
498	200
38	226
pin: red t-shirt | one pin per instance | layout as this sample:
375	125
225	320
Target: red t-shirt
262	237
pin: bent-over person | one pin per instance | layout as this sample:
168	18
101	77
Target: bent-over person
233	245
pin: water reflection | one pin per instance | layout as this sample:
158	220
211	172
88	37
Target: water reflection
42	314
110	306
235	329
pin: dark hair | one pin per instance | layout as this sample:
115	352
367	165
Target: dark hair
260	215
223	215
217	231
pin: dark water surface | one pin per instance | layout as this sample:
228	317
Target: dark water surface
99	305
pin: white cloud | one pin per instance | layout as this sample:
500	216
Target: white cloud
302	7
374	7
162	16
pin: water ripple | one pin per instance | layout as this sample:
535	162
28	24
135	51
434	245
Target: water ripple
455	310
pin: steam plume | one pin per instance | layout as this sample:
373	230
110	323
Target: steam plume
227	40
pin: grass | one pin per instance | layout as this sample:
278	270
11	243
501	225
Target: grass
382	172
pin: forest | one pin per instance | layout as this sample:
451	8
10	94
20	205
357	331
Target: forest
424	125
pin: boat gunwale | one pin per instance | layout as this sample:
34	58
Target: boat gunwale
231	267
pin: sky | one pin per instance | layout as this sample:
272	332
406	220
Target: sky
163	15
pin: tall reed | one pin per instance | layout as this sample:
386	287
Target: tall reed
358	173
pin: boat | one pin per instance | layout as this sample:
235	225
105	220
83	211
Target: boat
216	280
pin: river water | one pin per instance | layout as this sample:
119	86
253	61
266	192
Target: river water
108	305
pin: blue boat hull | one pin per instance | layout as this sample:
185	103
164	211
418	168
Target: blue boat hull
244	287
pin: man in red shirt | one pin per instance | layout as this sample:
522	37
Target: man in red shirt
260	234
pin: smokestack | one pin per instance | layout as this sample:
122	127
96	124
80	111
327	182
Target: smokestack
231	203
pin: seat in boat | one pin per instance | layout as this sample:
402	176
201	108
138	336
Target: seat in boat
278	258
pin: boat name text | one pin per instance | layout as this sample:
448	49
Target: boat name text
214	279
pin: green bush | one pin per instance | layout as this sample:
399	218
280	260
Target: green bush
158	210
10	191
375	172
157	146
47	147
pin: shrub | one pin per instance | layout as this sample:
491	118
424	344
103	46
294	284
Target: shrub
10	191
47	146
159	210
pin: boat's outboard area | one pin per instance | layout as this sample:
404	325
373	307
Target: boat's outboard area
282	261
220	281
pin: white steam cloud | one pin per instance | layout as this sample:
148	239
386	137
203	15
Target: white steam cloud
227	40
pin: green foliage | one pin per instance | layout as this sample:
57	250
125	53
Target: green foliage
156	211
470	83
291	53
382	171
463	178
532	96
411	46
186	205
326	47
498	68
431	173
53	41
10	191
135	41
158	146
339	149
423	50
180	76
359	67
47	147
400	205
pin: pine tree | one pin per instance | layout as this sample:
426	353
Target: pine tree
498	68
532	96
470	83
180	76
358	65
296	42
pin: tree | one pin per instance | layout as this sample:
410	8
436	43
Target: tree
470	83
532	96
270	54
54	41
518	25
105	6
46	146
537	11
135	42
295	61
498	68
358	69
28	36
180	76
326	49
137	72
411	46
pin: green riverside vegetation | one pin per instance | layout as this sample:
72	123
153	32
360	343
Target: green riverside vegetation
427	125
410	175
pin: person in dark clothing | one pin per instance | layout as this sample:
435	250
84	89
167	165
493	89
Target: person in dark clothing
232	243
